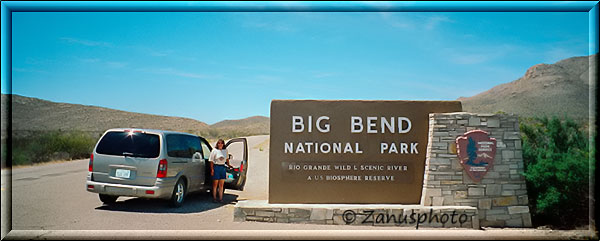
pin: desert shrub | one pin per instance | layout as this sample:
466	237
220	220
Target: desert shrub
212	133
46	146
557	164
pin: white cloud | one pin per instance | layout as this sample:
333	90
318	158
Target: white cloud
268	77
395	21
470	58
176	72
323	75
115	64
89	60
468	55
160	53
278	27
415	22
556	54
111	64
265	68
434	21
29	70
86	42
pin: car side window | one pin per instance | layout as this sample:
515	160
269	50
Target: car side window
193	144
205	150
183	146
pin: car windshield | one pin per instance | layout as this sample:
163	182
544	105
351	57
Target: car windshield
135	144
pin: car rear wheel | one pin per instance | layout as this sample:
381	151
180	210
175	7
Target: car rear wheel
178	195
108	199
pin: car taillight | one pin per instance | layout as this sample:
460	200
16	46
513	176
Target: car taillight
242	167
162	168
91	165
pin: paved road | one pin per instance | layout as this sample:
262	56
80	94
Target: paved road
52	197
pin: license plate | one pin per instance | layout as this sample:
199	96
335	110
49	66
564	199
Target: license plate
122	173
229	176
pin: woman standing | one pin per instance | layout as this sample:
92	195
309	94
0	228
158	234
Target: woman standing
218	159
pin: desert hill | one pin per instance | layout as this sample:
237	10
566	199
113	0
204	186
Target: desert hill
254	124
561	89
33	115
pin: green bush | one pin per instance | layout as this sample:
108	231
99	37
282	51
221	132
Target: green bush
46	146
557	165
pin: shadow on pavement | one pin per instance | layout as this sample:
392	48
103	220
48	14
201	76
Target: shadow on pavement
194	203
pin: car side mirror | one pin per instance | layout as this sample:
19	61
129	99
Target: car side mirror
197	157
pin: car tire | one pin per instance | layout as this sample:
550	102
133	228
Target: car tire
108	199
178	195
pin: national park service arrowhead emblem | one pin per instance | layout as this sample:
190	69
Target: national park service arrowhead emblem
476	152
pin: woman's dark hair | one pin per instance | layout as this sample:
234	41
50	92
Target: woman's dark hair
217	145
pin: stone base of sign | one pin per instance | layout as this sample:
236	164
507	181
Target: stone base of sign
416	216
501	195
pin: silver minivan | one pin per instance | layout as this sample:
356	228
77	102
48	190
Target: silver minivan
158	164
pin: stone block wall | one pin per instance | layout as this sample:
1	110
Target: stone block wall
415	216
501	195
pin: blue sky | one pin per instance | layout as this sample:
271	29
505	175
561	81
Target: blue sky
219	65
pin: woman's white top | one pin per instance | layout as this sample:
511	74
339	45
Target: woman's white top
217	156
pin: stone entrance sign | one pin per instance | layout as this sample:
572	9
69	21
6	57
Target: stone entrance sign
501	194
350	152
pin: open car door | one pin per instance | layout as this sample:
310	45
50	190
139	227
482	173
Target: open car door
238	158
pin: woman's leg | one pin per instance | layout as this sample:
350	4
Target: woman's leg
221	189
214	189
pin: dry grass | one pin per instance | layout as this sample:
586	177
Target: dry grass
41	164
263	145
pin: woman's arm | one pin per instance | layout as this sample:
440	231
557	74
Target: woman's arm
227	160
211	160
211	156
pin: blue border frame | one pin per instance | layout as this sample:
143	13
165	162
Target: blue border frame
262	6
305	6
